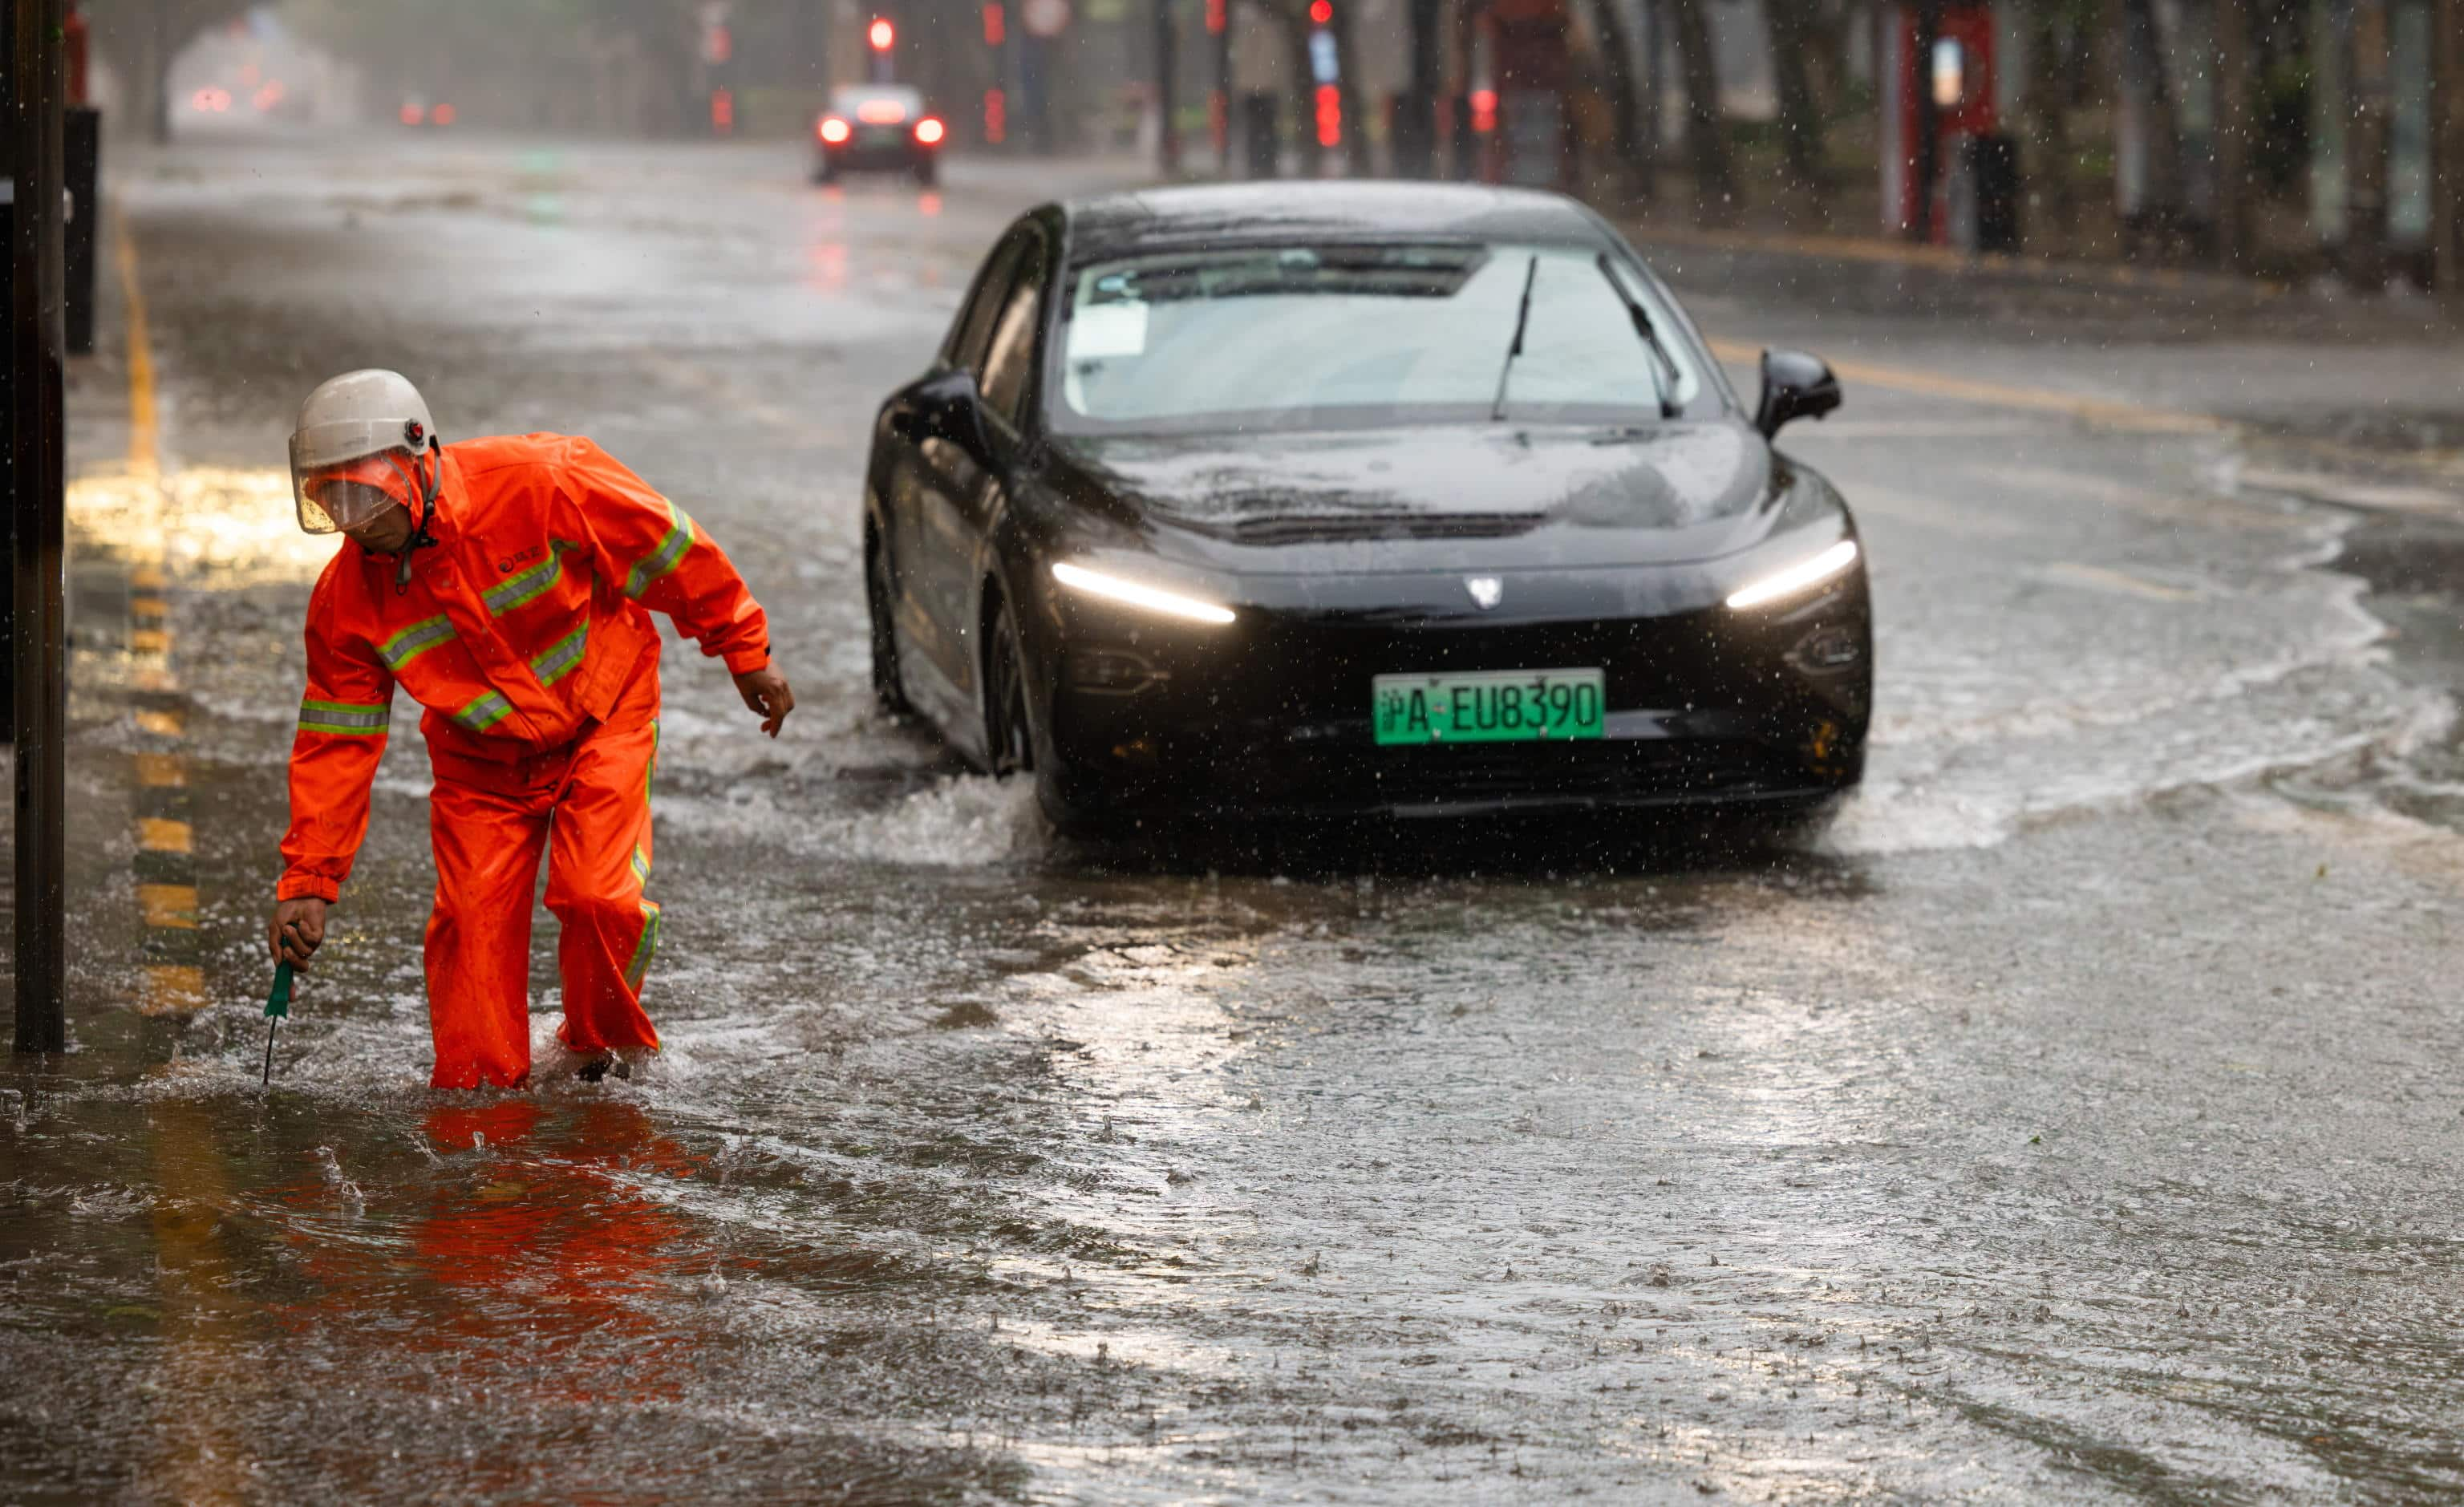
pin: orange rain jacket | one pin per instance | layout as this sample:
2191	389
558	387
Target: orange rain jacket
520	629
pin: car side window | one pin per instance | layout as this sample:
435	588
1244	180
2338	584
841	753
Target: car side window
974	325
1010	357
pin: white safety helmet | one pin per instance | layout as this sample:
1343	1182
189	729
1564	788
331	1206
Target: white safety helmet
360	446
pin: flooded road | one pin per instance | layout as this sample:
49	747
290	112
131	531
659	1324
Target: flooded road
2074	1119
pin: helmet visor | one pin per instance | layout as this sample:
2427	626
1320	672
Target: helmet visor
332	498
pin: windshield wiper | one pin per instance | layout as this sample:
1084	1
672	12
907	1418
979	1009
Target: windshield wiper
1522	317
1643	326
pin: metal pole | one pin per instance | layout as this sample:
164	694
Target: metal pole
37	87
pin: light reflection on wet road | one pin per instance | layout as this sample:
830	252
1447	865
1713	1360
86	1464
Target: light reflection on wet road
2074	1123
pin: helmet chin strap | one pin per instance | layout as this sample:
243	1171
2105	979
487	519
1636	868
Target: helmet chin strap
427	478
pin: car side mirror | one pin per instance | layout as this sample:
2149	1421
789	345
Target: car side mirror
949	407
1795	386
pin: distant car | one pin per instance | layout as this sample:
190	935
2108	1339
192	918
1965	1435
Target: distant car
1304	500
416	111
212	100
877	128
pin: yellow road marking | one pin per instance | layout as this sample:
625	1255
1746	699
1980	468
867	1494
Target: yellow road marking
149	606
169	906
149	641
2097	578
166	724
161	835
173	989
148	578
2101	411
143	448
160	770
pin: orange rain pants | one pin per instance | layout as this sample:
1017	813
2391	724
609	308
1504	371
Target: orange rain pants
588	804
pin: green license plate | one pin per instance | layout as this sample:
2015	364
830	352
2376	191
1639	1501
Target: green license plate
1490	706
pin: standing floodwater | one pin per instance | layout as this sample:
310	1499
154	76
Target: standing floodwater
2073	1120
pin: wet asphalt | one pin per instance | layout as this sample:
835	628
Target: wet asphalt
2076	1119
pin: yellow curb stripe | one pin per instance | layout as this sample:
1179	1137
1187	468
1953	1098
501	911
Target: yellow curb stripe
149	641
143	428
161	835
173	906
173	989
164	724
160	771
149	606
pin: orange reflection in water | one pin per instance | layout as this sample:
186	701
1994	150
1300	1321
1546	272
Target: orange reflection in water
829	273
558	1241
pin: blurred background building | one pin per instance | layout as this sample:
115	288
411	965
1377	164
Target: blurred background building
2281	137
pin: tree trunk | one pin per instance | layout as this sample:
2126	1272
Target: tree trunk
1707	142
2046	107
2446	151
1788	26
1167	94
2366	149
1416	131
1630	170
2236	190
2143	39
1294	19
154	72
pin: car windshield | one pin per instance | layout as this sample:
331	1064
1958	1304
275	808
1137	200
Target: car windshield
1346	336
877	106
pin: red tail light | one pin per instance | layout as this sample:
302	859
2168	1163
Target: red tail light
442	114
413	114
834	130
928	131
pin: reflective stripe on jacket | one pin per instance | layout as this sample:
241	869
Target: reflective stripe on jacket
522	627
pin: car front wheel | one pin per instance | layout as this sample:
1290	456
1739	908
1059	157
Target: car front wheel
1009	738
889	686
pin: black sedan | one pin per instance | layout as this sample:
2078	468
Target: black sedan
877	128
1342	499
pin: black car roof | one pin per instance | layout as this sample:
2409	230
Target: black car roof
1124	223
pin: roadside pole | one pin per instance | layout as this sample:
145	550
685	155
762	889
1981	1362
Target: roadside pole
37	484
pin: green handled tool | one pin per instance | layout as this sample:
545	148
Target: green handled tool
277	1006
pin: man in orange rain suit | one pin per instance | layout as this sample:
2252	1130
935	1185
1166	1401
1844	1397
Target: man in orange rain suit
506	585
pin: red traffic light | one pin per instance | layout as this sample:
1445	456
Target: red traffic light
881	33
1321	11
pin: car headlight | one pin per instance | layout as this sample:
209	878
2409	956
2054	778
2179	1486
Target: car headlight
1154	599
1796	578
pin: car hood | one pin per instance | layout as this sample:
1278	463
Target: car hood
1489	496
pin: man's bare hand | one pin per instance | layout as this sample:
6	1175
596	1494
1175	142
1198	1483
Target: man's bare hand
766	692
297	930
